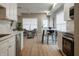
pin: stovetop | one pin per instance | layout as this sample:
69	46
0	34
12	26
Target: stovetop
70	35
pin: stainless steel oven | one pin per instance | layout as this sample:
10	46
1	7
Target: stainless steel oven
68	44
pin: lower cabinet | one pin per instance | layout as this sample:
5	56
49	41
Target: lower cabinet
59	38
11	50
4	51
8	47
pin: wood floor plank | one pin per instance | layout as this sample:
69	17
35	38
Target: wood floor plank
34	47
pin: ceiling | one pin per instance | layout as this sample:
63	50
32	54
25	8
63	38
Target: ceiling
34	7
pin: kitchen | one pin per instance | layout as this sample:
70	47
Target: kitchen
63	18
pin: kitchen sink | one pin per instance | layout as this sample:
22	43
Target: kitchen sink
2	35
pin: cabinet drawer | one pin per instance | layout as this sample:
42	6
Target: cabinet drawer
4	43
1	42
4	51
12	40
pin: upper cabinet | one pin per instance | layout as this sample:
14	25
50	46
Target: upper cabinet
67	7
11	10
2	12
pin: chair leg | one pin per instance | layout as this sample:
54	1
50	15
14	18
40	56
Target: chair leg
47	39
52	38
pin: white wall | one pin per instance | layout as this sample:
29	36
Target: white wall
60	23
58	16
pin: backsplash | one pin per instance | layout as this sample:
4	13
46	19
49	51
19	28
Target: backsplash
5	27
70	26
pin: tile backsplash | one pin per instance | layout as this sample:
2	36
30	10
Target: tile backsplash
70	26
5	27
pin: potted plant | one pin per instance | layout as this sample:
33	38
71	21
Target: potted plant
19	26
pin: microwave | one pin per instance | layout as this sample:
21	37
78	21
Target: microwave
71	12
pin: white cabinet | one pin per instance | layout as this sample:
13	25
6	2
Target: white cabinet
8	47
11	50
66	10
11	10
12	47
4	48
4	51
59	38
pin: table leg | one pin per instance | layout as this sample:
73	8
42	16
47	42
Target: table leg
43	37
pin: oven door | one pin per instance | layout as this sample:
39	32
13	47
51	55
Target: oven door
68	46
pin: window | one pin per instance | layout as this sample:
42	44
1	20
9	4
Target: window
29	23
60	23
45	23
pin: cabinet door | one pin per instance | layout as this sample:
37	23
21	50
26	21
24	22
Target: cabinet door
11	50
11	10
8	47
4	48
4	51
12	46
59	38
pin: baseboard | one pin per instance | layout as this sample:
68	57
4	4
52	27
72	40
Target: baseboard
61	52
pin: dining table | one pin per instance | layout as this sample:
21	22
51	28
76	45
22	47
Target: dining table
45	31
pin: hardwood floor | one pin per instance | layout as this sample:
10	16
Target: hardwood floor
34	47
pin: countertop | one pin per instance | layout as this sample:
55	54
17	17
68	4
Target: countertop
8	36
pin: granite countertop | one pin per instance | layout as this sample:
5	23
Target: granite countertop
9	35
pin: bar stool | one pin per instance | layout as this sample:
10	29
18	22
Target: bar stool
49	33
